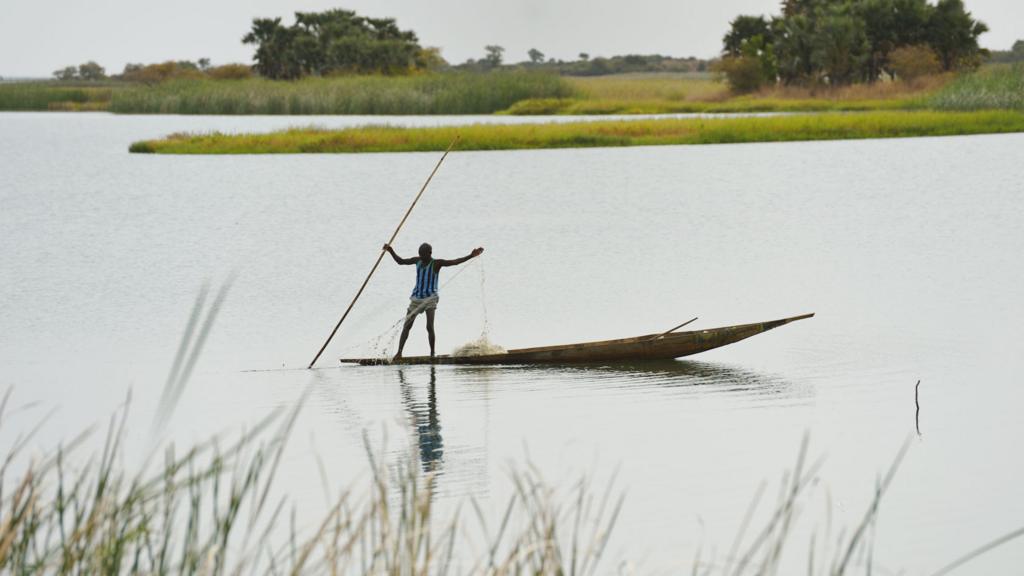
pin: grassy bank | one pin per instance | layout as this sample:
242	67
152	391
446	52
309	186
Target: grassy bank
595	133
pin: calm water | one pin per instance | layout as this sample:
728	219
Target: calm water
907	250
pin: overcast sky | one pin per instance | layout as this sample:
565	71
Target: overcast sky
39	36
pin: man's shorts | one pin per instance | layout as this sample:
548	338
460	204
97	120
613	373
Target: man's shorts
419	305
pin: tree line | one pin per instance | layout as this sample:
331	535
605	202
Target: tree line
839	42
830	42
153	73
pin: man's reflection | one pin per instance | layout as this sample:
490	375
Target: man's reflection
425	421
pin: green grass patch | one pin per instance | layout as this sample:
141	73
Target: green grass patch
42	96
993	87
829	126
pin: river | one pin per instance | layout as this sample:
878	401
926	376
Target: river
907	250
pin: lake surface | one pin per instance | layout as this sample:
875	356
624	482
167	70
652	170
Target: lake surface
907	250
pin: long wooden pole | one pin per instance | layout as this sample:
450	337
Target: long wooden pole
381	255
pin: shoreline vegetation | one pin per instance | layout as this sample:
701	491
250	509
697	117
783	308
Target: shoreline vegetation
512	92
596	133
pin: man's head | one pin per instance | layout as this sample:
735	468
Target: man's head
425	251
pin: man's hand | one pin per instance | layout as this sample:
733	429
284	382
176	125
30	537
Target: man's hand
476	252
387	248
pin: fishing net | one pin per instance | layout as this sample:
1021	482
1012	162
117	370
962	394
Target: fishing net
480	347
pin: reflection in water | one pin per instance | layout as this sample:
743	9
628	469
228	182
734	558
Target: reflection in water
425	421
674	377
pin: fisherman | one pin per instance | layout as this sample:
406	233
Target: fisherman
424	295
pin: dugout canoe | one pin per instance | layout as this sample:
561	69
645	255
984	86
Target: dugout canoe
639	348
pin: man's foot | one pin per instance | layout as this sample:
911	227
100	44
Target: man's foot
397	357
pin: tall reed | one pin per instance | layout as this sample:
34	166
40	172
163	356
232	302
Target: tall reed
41	96
998	86
450	93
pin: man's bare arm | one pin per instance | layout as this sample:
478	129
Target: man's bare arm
399	259
476	252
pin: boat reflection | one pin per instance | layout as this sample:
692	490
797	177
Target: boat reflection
425	421
674	376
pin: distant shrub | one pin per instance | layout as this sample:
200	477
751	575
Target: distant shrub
230	72
155	73
744	74
913	62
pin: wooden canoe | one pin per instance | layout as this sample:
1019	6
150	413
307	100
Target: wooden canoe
639	348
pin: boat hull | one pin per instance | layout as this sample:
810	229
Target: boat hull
639	348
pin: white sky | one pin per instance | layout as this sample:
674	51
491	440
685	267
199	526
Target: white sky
39	36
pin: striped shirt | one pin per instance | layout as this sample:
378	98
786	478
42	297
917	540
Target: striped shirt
426	280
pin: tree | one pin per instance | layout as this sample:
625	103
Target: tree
752	69
430	59
536	56
953	34
584	56
91	71
840	45
204	64
1018	47
742	29
494	55
794	48
66	73
332	42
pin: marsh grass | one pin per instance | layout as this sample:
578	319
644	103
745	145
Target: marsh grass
594	133
43	96
450	93
998	86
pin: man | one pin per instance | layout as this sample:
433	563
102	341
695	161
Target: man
424	294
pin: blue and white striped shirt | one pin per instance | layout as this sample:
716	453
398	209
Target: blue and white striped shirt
426	280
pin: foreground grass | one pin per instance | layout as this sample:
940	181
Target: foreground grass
594	133
208	511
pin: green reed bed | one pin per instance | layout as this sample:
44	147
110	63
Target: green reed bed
993	87
42	96
831	126
450	93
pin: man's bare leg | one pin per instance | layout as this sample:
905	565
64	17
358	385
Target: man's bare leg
430	330
405	335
